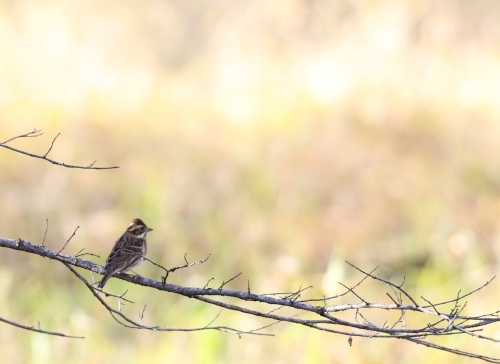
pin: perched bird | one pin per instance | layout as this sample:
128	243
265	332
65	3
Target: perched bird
128	252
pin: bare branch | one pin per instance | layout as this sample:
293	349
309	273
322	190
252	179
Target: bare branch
386	281
80	254
35	133
453	323
39	330
141	314
324	299
167	270
454	351
226	282
71	237
128	322
206	284
352	291
51	145
171	270
46	228
465	295
32	134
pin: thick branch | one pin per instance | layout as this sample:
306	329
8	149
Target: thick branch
452	323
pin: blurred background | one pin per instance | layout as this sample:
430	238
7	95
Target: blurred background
282	137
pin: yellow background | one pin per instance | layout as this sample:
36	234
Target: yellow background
282	137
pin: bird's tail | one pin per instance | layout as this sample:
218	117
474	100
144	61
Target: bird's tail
105	279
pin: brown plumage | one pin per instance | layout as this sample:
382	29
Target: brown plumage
128	252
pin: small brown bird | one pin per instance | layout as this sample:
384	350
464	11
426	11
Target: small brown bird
129	250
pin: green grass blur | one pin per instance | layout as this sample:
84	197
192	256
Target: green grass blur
281	137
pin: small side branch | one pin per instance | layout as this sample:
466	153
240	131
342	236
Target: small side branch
46	228
67	241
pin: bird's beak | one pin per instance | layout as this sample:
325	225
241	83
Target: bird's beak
149	229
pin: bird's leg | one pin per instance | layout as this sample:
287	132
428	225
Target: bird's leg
137	276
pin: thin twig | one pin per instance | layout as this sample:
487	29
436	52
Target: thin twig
324	299
295	295
64	246
80	254
206	284
465	295
32	134
36	133
226	282
46	228
31	328
352	291
51	145
385	281
141	314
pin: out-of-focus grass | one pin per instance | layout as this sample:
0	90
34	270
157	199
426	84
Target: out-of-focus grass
281	137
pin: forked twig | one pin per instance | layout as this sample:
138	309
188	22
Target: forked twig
36	133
